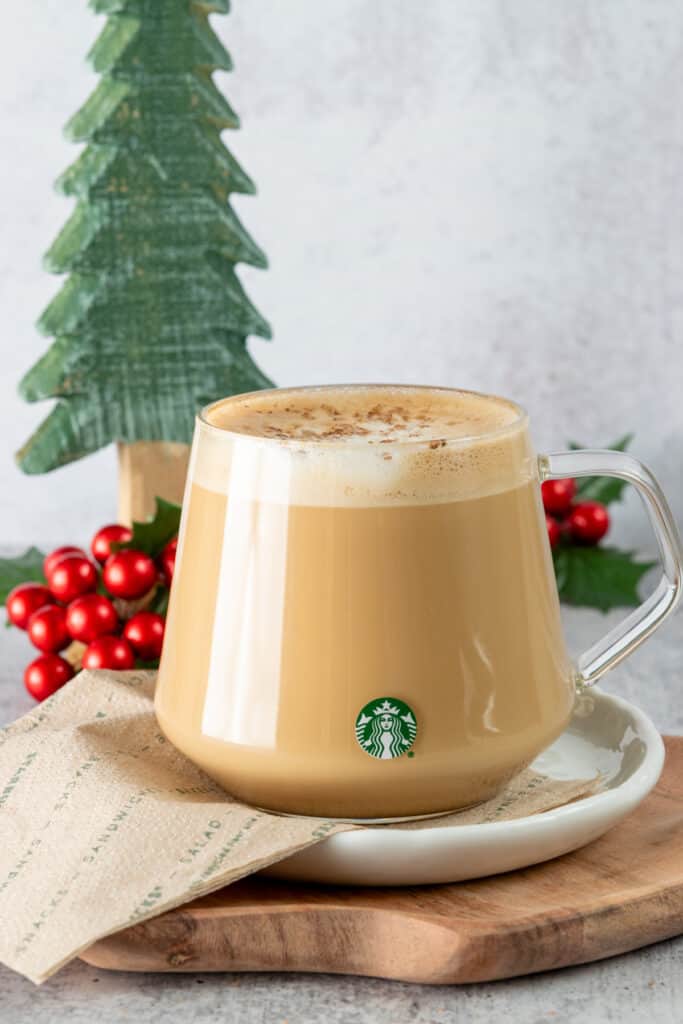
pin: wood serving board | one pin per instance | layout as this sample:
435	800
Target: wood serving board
621	892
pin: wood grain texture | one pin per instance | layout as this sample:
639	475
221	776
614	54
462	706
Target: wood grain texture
152	320
619	893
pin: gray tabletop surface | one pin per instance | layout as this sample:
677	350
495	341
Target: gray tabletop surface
643	985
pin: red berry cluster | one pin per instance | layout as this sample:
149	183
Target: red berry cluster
580	522
70	608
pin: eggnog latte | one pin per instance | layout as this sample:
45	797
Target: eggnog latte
364	620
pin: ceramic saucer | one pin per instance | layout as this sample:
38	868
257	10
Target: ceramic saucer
606	735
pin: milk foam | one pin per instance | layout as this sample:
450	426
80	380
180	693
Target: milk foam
359	446
362	414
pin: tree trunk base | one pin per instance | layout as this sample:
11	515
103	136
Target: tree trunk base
147	470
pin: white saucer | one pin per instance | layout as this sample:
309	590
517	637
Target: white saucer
606	735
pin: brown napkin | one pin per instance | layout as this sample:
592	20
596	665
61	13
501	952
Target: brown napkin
103	823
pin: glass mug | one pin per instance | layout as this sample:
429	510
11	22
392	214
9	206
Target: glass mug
364	621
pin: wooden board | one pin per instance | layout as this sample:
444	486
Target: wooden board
621	892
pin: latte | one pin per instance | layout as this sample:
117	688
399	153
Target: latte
364	620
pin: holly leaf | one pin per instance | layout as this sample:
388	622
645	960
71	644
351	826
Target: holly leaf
26	568
604	489
153	535
159	602
599	577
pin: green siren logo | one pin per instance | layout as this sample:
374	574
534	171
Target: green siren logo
386	728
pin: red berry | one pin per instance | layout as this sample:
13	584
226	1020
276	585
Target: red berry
145	634
72	576
129	573
558	496
54	556
167	560
104	538
24	600
108	652
46	674
588	522
47	629
91	616
554	531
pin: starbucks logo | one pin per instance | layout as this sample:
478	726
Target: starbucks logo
386	728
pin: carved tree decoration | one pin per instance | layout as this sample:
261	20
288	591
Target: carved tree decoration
152	321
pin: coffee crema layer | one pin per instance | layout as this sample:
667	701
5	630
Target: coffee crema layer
367	414
362	446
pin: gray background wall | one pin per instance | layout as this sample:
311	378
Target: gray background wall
467	192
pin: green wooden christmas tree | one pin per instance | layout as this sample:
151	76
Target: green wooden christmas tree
152	320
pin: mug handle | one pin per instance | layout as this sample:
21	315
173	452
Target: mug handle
643	621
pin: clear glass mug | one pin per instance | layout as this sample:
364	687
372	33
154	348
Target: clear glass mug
364	621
